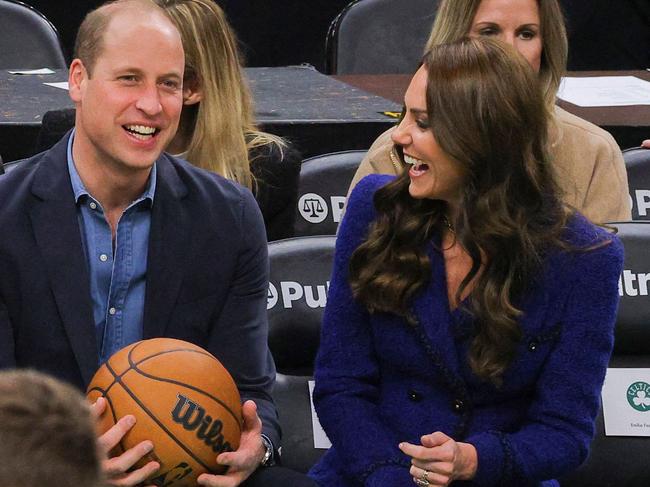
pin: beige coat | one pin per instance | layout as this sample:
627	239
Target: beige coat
588	163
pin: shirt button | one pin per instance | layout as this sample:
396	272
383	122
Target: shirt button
93	205
459	405
112	311
532	346
103	257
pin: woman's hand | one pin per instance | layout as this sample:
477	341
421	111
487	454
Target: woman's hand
646	144
440	460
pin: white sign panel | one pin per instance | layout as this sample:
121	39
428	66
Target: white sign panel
320	438
626	402
605	91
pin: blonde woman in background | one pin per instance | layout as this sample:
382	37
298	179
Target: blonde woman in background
588	162
217	130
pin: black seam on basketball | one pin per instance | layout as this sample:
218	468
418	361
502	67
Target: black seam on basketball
135	367
164	428
163	352
116	379
108	399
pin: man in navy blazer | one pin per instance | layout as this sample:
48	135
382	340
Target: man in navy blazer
106	240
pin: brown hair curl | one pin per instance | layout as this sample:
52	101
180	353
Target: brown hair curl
486	113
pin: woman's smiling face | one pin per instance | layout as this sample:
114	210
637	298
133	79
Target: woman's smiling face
434	174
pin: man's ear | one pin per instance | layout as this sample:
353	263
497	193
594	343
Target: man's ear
77	80
192	92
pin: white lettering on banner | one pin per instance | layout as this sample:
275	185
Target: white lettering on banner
642	201
293	291
314	208
631	284
338	202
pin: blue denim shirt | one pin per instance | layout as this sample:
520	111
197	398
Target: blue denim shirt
117	273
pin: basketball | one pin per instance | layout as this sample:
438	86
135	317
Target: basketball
185	402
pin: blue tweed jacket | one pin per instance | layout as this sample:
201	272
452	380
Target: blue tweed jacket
380	381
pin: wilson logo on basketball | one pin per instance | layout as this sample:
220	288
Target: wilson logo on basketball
193	417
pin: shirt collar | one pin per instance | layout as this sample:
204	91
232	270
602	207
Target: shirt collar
80	190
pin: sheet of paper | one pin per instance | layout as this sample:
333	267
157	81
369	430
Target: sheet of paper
605	91
32	71
626	402
63	85
320	438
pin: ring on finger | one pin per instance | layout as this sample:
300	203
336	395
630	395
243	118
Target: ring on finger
425	476
422	482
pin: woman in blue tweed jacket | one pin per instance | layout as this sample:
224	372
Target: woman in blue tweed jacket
470	314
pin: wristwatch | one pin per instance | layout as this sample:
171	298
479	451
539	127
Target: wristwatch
269	458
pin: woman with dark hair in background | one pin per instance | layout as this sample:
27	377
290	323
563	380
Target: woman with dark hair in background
470	314
587	161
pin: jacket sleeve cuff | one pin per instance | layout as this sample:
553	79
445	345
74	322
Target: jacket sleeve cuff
494	459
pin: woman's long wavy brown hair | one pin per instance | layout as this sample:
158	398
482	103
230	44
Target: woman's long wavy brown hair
487	113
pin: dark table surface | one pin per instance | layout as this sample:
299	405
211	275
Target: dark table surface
316	112
628	124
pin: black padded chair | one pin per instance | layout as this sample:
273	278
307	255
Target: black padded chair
379	36
300	269
27	39
637	165
622	461
323	186
299	277
293	399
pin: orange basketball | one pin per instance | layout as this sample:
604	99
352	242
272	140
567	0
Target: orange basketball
184	401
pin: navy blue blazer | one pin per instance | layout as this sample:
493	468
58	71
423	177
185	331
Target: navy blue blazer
207	275
381	381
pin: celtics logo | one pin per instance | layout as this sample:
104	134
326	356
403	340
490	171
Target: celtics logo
638	395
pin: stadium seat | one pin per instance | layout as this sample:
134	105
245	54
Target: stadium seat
300	269
622	461
28	39
323	185
292	397
299	276
637	164
379	36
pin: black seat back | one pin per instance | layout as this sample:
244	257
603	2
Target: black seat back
293	399
379	36
27	39
637	165
323	186
300	269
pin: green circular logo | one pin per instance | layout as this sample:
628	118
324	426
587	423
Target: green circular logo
638	395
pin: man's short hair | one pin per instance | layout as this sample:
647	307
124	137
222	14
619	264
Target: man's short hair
47	434
89	42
